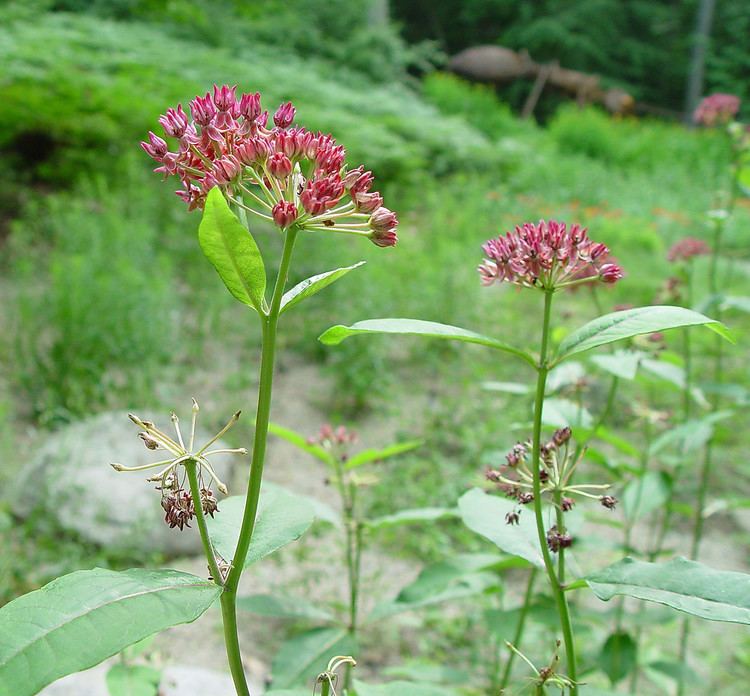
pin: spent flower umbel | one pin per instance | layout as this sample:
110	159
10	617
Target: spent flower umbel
284	174
687	248
547	255
177	502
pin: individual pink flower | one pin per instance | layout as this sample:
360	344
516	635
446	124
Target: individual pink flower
686	248
547	255
716	109
226	143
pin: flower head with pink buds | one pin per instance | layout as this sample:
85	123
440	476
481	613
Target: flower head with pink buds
716	109
686	249
284	174
548	255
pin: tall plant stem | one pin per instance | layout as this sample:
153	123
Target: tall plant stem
191	467
265	388
555	584
520	626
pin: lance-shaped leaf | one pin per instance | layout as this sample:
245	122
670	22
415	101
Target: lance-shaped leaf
485	515
376	455
80	619
300	441
633	322
622	363
417	327
414	516
314	284
305	656
688	586
282	518
233	252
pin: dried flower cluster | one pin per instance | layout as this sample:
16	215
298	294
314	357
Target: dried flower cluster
177	502
284	174
547	255
686	248
557	465
716	109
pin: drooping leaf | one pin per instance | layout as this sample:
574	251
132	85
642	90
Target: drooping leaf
675	670
485	515
412	517
401	688
633	322
564	376
78	620
688	586
675	375
133	680
306	655
645	494
465	575
618	656
283	607
283	517
689	437
300	441
233	252
622	363
417	327
376	455
314	284
563	412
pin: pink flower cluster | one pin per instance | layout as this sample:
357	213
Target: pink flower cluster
686	249
547	255
284	174
716	109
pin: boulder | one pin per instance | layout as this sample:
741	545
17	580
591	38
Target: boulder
70	478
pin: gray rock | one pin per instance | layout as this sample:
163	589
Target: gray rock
92	682
70	478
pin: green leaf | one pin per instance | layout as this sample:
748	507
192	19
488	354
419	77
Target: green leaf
133	680
485	515
283	607
633	322
402	688
417	327
303	657
561	412
507	387
412	517
464	575
313	285
376	455
80	619
645	494
618	656
300	441
688	586
621	363
689	437
233	252
283	517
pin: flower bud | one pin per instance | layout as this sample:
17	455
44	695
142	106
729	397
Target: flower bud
227	169
561	436
284	115
284	213
203	110
174	122
250	106
362	183
610	273
279	165
156	147
225	97
367	202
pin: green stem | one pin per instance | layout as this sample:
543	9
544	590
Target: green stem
519	629
325	688
268	351
191	467
555	585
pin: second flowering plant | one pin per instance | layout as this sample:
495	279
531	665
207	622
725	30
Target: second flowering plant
236	164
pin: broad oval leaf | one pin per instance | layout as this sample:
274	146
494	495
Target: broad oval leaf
633	322
645	494
78	620
304	656
688	586
231	249
282	517
485	515
314	284
618	656
376	455
417	327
